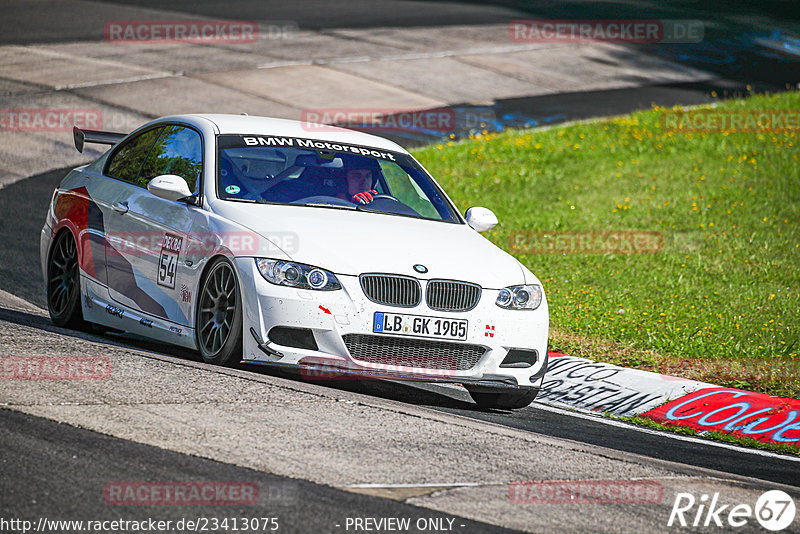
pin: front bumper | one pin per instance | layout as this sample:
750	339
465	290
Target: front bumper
338	319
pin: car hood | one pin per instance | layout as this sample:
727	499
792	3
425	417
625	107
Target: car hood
356	242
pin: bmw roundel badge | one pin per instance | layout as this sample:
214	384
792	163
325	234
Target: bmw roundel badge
420	268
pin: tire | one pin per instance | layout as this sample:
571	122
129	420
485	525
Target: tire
507	400
218	321
64	284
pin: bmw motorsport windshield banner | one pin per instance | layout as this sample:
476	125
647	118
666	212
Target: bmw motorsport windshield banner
242	141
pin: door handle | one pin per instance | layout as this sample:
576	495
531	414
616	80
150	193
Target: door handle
120	207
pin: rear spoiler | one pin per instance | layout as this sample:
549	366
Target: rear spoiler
95	136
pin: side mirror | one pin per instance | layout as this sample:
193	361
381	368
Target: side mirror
169	187
481	219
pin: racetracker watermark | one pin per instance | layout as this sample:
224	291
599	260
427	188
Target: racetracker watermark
313	368
204	243
180	493
586	492
731	120
607	31
388	120
587	242
49	119
55	368
196	31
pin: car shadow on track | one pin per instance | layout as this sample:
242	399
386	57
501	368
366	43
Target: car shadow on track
122	340
435	396
418	394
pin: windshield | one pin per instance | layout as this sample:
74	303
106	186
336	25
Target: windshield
287	170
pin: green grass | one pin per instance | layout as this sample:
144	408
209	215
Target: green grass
720	302
716	436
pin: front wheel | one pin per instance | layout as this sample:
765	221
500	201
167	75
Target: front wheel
512	399
218	324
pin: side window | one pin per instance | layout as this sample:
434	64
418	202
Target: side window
126	163
178	151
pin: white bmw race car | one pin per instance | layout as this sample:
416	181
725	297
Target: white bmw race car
278	242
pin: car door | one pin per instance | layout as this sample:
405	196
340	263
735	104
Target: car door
151	272
122	167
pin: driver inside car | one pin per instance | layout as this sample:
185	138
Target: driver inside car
361	177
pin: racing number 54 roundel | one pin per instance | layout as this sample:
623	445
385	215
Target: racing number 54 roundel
168	260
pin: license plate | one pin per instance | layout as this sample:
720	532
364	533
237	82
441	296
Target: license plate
419	325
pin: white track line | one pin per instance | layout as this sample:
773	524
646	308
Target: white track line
661	433
117	81
409	56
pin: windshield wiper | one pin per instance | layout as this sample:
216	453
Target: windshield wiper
324	205
368	208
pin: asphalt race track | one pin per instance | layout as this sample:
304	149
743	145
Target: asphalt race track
18	254
35	448
323	453
65	468
103	458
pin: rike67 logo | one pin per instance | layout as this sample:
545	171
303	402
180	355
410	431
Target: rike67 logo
774	510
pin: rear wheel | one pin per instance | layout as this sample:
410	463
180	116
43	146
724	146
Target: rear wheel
505	399
219	315
63	283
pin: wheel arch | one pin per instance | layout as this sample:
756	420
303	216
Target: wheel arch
211	261
56	233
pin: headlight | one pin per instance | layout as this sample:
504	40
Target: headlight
299	275
520	297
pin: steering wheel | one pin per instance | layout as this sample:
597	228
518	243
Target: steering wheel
385	197
322	199
395	206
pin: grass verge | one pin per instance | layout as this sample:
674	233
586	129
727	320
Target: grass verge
716	436
717	300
